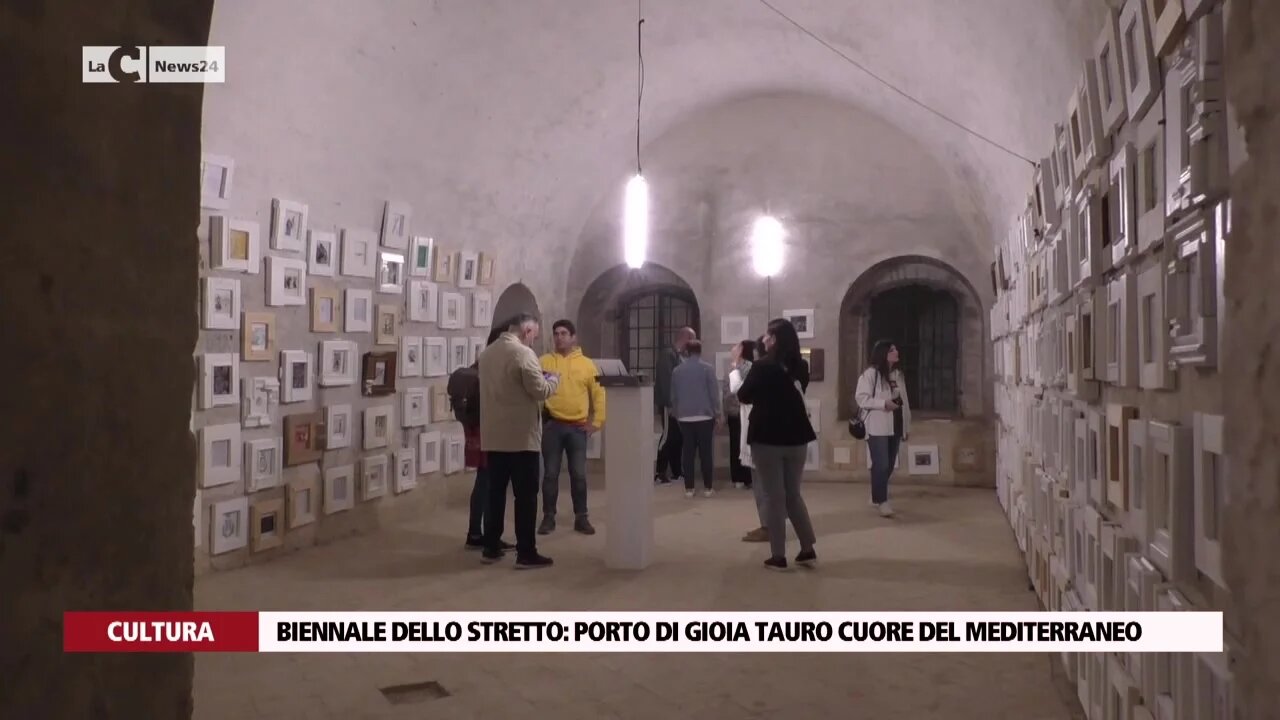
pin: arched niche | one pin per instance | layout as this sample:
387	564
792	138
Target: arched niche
646	305
930	290
517	298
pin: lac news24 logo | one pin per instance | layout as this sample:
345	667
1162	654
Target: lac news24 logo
142	64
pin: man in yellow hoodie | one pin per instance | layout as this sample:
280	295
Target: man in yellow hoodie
571	416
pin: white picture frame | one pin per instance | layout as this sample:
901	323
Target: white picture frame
475	346
1166	25
302	498
1122	694
1191	290
339	489
468	269
1170	515
374	476
390	272
221	455
1141	579
322	253
454	456
415	408
1154	372
1087	225
378	427
1174	689
219	380
288	225
357	311
481	309
435	357
1140	68
217	173
409	363
429	452
297	371
734	329
452	311
1120	346
1107	64
1042	193
923	460
404	468
421	256
337	426
1095	457
234	245
228	525
423	301
1135	519
338	361
221	306
263	459
722	365
259	401
1212	493
1122	205
1149	198
803	320
1084	124
1118	418
458	347
359	253
286	281
395	224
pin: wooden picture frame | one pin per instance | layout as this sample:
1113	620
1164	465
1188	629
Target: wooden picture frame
1117	455
326	308
262	464
357	311
1170	515
303	438
259	401
378	430
435	357
445	270
374	476
221	303
257	337
404	468
303	498
395	224
804	322
322	253
429	452
296	376
415	408
339	489
338	426
219	380
468	269
378	374
441	407
1166	23
1154	372
267	524
228	525
452	311
423	300
1122	206
220	455
234	245
486	270
359	253
390	273
458	347
1141	75
337	363
288	225
481	309
1109	81
454	455
1191	291
217	173
410	358
421	256
286	281
1210	471
1149	197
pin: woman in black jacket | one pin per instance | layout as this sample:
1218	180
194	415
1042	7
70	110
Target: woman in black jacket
779	435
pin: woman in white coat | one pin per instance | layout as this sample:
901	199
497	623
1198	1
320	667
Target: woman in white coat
882	397
740	364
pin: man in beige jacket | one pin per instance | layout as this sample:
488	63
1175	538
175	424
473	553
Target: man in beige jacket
513	387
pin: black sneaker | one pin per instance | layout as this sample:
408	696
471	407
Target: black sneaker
488	557
474	543
807	558
583	525
533	562
661	480
776	563
548	525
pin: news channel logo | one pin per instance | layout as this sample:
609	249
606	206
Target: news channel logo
151	64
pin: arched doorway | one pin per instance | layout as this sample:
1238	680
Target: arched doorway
631	314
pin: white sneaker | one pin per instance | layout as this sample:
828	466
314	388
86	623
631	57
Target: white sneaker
873	503
688	493
738	486
708	493
677	480
885	510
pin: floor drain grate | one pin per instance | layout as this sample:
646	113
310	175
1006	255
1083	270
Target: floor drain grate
414	693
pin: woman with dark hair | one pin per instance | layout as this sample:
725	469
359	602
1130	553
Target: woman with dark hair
740	359
882	395
475	459
779	435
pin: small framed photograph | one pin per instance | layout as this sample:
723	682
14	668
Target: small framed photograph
339	489
219	455
441	411
258	336
486	270
234	245
387	321
406	467
428	453
373	477
259	401
803	322
468	269
379	373
436	357
228	525
451	311
221	303
422	300
377	427
734	329
410	356
458	349
481	309
337	363
337	427
288	225
262	464
325	308
475	347
421	256
359	253
322	256
286	281
922	460
219	380
295	375
358	316
444	270
390	273
395	224
413	407
268	524
216	174
303	497
454	457
302	438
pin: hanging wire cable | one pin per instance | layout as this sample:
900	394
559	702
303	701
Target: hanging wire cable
893	87
640	93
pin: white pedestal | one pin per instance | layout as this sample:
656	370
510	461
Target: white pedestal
629	454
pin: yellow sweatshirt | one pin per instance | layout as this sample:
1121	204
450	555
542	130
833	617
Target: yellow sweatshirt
579	396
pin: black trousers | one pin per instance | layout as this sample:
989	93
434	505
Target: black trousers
520	469
669	453
738	472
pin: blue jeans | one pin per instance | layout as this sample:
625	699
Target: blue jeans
563	439
884	453
479	502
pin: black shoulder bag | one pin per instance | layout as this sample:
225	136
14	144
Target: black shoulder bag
857	427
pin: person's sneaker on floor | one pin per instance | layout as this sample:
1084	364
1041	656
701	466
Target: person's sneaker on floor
708	492
548	525
737	485
582	525
533	562
661	480
758	535
488	557
776	563
474	543
885	510
688	493
807	558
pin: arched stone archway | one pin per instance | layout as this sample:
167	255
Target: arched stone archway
601	314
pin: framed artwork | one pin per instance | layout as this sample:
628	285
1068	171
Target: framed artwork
268	524
1107	66
377	427
468	269
322	255
337	426
458	347
1045	205
1135	521
817	359
219	380
216	174
422	300
451	311
803	321
1118	418
1153	332
325	308
395	224
595	446
444	270
486	270
234	244
358	311
228	525
339	489
337	363
390	273
421	256
406	468
734	329
481	309
1191	291
842	455
1150	180
259	401
288	225
258	336
386	321
359	253
1209	462
302	438
221	303
1138	62
302	496
436	357
295	375
428	453
722	365
1171	513
1166	23
441	408
378	373
923	460
262	464
1121	342
1063	173
410	360
219	455
454	459
1084	123
373	477
286	281
476	347
414	411
1122	219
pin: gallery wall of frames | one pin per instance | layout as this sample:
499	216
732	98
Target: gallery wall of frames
1106	328
321	371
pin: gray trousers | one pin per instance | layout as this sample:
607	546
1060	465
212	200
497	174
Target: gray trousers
778	469
762	502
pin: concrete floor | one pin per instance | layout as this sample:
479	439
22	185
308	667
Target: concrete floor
948	550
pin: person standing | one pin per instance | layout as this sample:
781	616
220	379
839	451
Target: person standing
695	404
882	394
779	434
573	414
670	446
513	387
735	413
466	402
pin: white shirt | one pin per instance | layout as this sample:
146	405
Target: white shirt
873	391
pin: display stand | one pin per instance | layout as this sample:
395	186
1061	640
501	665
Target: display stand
628	473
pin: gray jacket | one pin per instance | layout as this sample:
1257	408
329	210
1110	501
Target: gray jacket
695	391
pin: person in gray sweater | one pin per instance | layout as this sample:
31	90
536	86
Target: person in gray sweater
695	403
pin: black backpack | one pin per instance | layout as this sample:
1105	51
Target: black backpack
464	395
